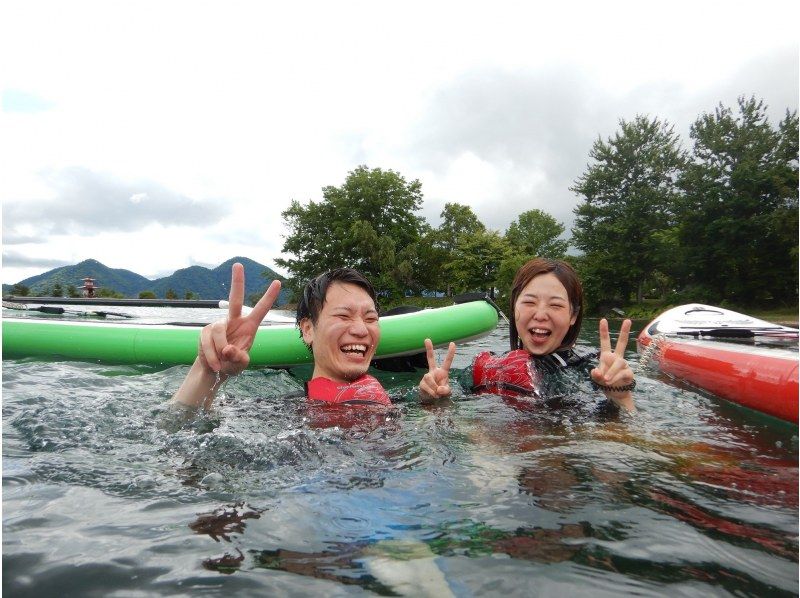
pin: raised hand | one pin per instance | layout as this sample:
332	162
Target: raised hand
224	345
613	374
436	383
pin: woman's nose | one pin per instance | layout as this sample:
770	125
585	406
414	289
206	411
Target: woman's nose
539	313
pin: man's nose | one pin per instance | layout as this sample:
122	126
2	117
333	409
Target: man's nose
359	328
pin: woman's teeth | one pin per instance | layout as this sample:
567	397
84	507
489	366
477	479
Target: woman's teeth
539	332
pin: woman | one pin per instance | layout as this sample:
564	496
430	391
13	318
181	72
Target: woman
547	303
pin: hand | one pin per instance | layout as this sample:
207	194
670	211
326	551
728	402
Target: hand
224	345
613	369
436	383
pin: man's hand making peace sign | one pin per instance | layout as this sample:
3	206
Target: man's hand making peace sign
224	345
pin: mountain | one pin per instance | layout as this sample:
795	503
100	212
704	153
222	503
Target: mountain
126	282
205	283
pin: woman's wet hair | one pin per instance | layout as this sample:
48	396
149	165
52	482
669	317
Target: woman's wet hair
567	276
314	293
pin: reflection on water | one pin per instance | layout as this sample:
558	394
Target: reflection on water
105	490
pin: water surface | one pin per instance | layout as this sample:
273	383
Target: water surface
108	492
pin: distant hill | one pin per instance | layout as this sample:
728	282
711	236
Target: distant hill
205	283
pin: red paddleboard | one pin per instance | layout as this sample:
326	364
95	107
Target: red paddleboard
736	357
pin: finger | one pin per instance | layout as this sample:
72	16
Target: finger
443	391
448	360
236	295
429	354
264	304
622	341
207	349
619	373
428	385
236	359
605	337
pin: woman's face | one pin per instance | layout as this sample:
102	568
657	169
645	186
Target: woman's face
543	314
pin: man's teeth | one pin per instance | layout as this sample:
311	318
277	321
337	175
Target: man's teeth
354	348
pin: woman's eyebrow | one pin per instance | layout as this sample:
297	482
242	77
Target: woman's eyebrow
550	297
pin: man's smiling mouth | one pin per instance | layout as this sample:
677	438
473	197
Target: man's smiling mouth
359	349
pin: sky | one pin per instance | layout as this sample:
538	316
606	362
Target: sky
157	135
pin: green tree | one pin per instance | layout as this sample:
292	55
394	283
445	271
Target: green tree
20	290
147	295
476	261
457	220
171	294
738	218
72	291
189	295
628	197
536	234
110	293
368	223
57	290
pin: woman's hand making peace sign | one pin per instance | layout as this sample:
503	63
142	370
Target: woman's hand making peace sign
613	375
436	383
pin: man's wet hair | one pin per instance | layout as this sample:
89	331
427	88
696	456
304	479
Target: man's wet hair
314	293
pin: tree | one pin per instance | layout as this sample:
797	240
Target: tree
189	295
147	295
109	292
171	294
20	290
628	197
738	218
476	260
536	234
457	220
72	291
368	223
57	290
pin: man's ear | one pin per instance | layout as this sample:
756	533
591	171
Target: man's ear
307	330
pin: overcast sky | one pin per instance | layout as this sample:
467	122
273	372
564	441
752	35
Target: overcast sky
157	135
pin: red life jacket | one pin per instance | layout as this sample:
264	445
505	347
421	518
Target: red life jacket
509	375
364	390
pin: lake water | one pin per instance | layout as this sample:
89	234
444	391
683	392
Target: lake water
108	492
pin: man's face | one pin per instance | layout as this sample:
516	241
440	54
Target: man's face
346	333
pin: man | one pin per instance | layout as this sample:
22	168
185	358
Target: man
338	321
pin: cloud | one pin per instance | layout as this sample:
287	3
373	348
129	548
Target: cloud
86	202
12	259
506	141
